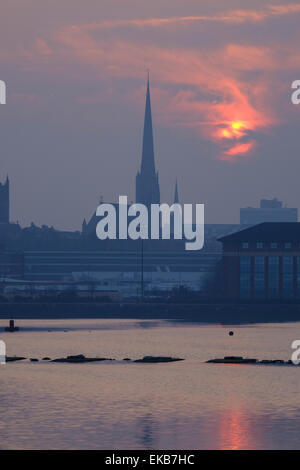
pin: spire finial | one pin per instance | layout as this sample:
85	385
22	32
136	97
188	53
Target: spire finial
176	197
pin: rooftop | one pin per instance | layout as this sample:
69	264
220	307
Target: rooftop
267	231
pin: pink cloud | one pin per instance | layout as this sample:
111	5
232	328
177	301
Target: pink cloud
42	47
232	16
214	92
237	150
231	106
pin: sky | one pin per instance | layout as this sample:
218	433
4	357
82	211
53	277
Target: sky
220	75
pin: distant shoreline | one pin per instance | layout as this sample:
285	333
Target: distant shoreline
229	313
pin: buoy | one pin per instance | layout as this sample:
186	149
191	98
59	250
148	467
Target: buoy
231	333
11	328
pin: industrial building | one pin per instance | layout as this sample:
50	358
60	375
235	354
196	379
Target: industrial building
262	262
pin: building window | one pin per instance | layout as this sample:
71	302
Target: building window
274	245
259	277
245	245
287	276
245	277
273	285
259	245
287	246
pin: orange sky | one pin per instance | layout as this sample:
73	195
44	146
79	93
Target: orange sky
220	71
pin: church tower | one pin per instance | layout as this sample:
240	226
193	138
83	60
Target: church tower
147	186
4	202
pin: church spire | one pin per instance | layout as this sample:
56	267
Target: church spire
148	164
176	197
147	187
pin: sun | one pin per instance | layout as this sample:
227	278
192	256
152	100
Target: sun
234	129
237	125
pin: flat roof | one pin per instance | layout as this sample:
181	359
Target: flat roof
267	231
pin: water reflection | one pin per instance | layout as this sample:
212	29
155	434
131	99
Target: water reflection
236	430
147	430
188	404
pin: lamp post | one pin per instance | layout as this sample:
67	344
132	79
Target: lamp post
142	269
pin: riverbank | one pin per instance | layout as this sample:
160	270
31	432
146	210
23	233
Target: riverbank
229	313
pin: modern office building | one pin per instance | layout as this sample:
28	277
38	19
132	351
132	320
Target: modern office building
262	262
269	211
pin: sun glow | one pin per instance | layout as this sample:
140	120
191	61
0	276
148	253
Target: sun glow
237	125
234	130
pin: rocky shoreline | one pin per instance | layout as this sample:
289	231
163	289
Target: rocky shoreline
80	359
242	360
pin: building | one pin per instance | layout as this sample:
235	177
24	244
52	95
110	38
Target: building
11	265
12	289
122	264
262	262
124	270
147	185
270	210
4	202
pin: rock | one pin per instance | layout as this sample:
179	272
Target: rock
241	360
154	359
233	360
14	358
33	359
80	358
46	359
126	359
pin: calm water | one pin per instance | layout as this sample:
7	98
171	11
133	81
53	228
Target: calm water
123	405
